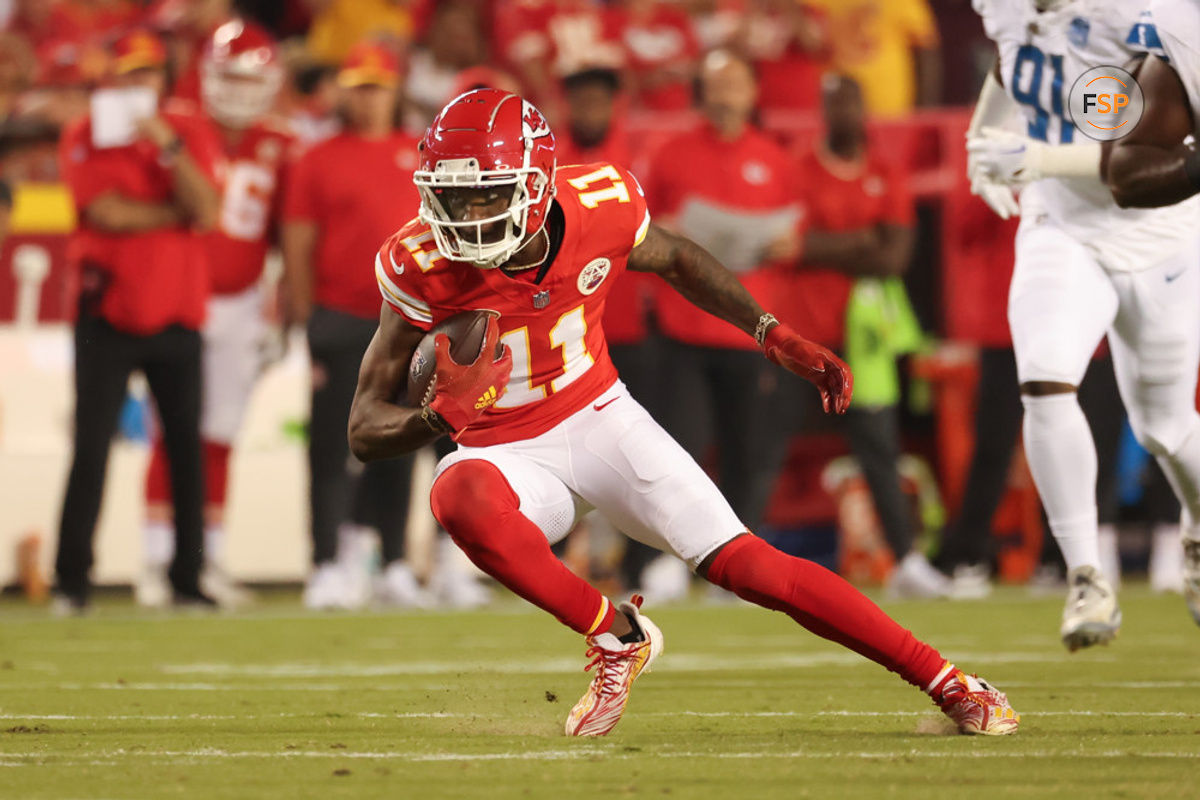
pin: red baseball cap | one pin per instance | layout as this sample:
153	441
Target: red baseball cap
138	49
370	64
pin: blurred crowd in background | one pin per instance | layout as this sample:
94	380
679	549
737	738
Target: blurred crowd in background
824	135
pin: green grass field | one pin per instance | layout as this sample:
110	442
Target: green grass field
743	704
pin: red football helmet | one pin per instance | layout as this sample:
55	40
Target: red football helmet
240	73
486	140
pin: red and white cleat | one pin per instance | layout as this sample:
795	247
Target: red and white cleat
975	706
616	666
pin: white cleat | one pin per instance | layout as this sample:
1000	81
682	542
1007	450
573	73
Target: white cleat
915	577
153	587
397	587
455	587
616	666
1191	576
326	588
1091	615
975	706
970	582
221	587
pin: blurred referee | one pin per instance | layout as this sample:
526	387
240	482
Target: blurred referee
143	286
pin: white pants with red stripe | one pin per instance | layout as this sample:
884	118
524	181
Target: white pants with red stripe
612	456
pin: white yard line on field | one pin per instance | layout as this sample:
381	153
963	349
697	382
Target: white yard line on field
590	753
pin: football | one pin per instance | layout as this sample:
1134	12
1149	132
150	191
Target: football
466	331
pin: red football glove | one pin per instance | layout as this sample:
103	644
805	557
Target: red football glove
464	391
812	362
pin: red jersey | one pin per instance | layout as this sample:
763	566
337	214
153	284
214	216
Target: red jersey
156	277
628	301
356	191
255	171
661	50
839	196
560	356
744	179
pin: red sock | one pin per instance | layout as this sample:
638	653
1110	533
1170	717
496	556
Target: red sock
481	513
216	472
823	603
158	483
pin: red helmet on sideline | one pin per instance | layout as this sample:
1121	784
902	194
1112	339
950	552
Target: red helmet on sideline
487	138
240	73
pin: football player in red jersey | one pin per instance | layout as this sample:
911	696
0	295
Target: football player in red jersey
240	77
547	430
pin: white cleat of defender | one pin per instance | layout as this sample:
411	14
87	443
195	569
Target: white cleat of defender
1091	615
616	666
976	707
1191	576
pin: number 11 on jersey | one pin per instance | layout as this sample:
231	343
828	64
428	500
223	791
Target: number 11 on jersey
567	335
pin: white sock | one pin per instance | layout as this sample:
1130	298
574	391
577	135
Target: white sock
1182	469
158	543
214	544
1062	458
1109	548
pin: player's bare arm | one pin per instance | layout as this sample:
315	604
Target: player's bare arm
1152	166
699	277
696	275
379	428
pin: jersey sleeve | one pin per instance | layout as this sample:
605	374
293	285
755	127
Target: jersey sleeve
397	273
641	210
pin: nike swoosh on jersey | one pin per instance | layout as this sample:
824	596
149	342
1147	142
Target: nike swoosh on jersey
604	404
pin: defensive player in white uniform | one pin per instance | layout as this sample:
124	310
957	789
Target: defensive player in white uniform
1158	165
1086	268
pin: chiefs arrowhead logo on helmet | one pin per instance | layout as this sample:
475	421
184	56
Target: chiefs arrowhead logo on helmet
534	125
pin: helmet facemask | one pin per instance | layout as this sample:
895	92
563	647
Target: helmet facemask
489	242
238	98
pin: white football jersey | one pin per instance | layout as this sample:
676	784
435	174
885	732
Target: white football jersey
1041	55
1177	25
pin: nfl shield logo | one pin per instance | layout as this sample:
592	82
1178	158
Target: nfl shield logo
541	299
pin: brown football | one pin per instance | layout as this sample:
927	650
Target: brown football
466	330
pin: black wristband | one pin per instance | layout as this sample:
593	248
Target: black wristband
1191	167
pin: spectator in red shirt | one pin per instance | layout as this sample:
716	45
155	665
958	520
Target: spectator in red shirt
786	41
661	54
143	205
345	196
728	186
544	40
859	219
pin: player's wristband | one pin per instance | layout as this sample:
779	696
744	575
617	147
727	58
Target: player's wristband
765	323
1191	168
434	420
